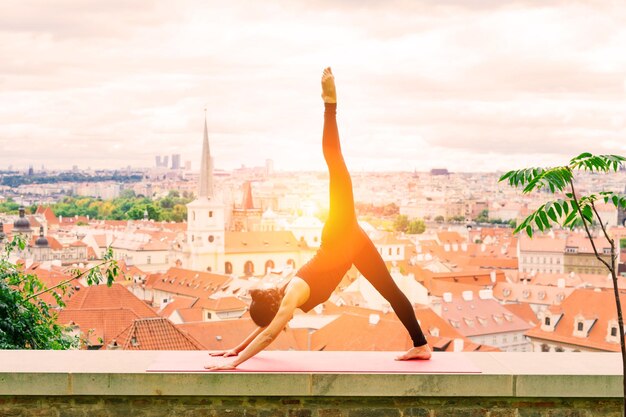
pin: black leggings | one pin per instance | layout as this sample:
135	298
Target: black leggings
342	227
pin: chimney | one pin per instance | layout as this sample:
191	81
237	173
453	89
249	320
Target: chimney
447	297
458	345
374	319
446	247
492	276
485	294
468	295
560	283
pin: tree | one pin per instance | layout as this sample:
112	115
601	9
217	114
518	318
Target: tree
26	321
575	210
401	223
416	227
439	219
483	217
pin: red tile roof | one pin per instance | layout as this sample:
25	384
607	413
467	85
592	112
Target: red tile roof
176	303
103	297
540	243
99	326
528	293
221	304
48	214
156	333
50	278
226	334
478	317
357	334
593	305
187	282
524	312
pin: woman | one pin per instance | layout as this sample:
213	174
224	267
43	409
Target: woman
343	244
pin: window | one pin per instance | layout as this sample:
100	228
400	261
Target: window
547	321
398	251
211	238
193	215
248	268
208	315
579	326
228	268
559	349
613	331
545	348
149	260
390	251
210	213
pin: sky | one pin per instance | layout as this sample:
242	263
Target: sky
468	85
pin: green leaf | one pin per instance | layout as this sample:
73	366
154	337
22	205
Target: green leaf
558	208
570	218
529	231
552	213
587	213
544	219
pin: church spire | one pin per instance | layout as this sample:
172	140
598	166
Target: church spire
206	167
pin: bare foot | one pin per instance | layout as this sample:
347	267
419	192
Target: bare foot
418	353
329	94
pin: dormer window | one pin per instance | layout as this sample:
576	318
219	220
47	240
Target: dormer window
547	321
580	326
606	251
612	335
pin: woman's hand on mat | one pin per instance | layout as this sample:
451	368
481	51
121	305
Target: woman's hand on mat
416	353
225	353
224	367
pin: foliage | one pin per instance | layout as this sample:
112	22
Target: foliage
9	206
569	210
416	227
456	219
26	321
439	219
126	207
622	243
388	210
403	224
483	217
17	180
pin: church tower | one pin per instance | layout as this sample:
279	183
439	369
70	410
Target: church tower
205	219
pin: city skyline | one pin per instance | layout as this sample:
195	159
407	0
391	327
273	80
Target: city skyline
467	86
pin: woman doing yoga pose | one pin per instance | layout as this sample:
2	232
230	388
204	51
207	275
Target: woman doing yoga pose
344	243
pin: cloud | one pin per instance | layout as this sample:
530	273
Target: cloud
420	83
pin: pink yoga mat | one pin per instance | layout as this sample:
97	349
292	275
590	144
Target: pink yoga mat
316	362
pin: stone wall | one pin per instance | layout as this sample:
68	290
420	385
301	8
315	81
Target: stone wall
198	406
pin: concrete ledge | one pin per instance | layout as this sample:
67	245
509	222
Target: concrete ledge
122	373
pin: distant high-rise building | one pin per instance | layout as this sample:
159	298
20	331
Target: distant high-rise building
166	161
176	161
269	167
31	171
158	161
188	165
